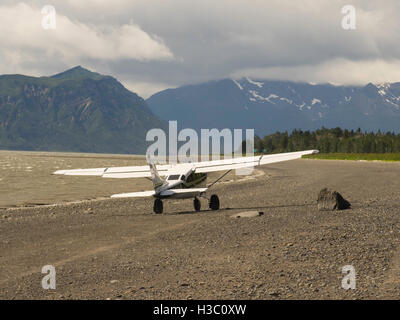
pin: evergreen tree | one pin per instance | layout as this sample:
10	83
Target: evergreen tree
330	140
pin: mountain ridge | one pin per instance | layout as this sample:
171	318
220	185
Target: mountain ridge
75	110
272	105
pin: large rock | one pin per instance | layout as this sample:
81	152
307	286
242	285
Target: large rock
331	200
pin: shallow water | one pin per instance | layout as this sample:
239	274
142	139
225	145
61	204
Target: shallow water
26	177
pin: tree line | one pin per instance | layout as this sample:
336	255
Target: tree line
329	141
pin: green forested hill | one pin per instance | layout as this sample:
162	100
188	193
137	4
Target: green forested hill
76	110
330	141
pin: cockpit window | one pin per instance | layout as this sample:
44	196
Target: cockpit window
173	177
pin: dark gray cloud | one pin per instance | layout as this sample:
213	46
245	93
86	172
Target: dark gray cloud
155	44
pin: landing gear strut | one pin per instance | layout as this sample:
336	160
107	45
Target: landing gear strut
214	202
196	204
158	206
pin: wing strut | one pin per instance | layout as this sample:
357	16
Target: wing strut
259	160
219	179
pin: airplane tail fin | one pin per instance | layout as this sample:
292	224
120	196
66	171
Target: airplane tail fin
158	182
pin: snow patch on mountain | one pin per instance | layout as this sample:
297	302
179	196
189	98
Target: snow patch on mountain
383	88
384	85
258	84
287	100
238	84
392	103
256	96
315	101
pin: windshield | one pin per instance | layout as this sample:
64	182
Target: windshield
173	177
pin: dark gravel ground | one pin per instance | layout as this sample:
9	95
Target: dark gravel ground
118	249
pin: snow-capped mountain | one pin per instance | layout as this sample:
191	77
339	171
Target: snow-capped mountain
268	106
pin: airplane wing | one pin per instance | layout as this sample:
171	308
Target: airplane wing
116	172
200	167
246	162
167	193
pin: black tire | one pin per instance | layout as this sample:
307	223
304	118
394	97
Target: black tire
196	204
214	202
158	206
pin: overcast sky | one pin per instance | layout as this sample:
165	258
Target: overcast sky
151	45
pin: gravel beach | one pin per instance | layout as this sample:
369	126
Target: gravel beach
119	249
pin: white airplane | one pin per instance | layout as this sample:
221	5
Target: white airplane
183	180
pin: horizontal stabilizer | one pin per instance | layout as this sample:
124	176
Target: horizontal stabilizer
175	193
183	191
